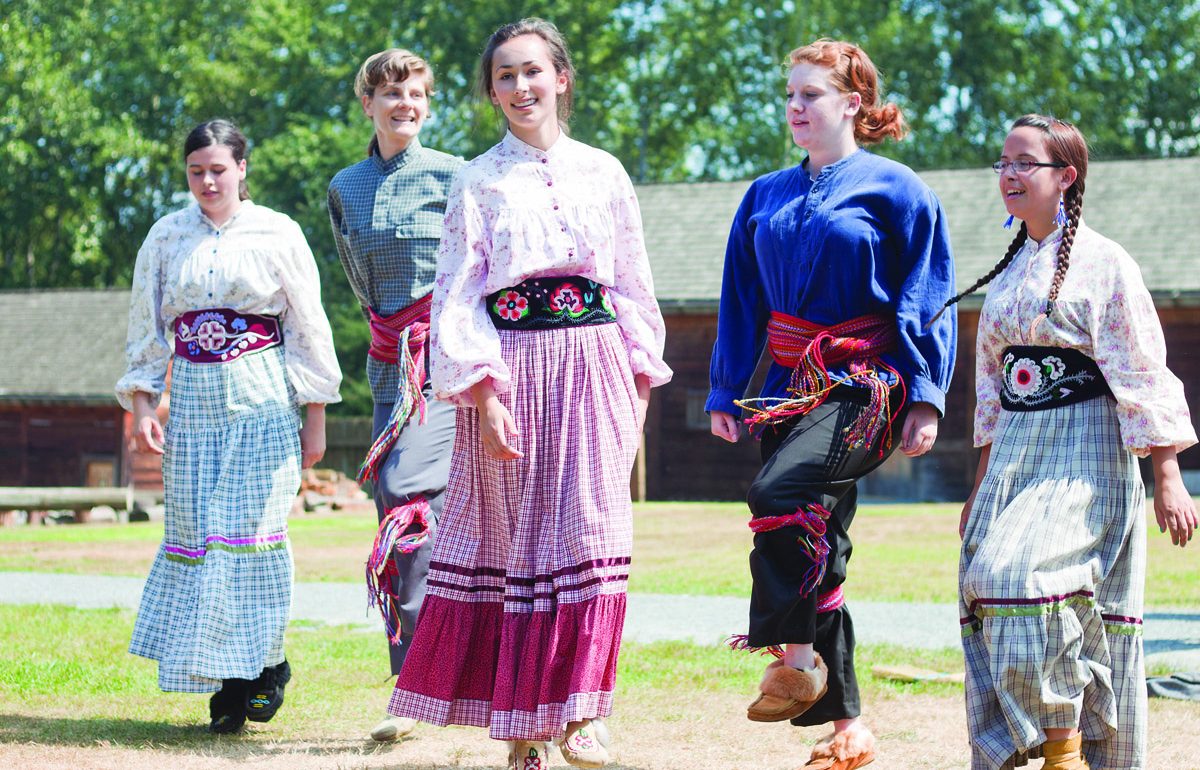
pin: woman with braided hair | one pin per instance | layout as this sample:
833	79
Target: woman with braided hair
835	266
1072	384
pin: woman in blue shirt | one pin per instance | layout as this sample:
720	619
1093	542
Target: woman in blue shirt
836	266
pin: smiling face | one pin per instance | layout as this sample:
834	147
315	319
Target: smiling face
398	110
819	115
1033	196
213	177
526	87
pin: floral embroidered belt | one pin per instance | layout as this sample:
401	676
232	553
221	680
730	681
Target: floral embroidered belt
551	303
219	335
1036	377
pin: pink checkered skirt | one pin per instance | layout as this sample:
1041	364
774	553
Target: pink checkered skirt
521	625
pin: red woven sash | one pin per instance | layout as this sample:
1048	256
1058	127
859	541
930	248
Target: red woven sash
809	350
385	332
409	327
791	339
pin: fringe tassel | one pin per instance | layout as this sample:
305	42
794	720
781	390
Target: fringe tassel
741	643
813	521
878	417
810	386
409	398
381	566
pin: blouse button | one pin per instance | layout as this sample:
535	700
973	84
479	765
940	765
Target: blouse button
556	207
549	182
545	160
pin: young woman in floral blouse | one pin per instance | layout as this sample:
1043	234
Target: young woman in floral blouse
546	334
1072	386
236	285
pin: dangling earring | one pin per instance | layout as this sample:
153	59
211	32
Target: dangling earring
1008	222
1060	218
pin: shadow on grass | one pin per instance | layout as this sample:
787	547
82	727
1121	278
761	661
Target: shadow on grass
141	735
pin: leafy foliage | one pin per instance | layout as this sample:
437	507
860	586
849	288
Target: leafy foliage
97	97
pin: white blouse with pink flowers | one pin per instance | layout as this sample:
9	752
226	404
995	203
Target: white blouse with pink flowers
517	212
1103	310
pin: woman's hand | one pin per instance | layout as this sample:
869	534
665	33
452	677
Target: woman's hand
312	436
642	382
1173	506
920	429
147	430
725	425
495	423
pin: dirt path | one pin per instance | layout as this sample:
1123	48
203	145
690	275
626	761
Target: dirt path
915	732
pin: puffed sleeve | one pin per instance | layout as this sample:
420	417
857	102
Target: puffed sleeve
638	314
741	316
1130	351
312	364
147	349
925	356
464	346
989	346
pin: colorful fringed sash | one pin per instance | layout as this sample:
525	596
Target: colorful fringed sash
809	350
399	339
393	536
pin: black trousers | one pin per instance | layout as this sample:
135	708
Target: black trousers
807	461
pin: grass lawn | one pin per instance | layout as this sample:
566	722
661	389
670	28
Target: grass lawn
901	552
52	650
72	697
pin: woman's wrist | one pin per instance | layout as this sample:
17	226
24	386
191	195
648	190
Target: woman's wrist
1165	461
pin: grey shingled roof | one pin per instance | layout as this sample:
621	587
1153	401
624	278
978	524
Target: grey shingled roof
62	345
1151	207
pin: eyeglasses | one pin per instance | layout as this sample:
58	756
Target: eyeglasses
1023	166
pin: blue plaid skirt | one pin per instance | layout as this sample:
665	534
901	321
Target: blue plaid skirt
218	596
1051	578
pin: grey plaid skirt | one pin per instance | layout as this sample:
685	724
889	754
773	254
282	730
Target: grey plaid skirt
219	593
1051	587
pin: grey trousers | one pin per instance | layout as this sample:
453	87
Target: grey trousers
418	464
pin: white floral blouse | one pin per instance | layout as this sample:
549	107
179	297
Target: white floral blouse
1103	310
257	262
517	212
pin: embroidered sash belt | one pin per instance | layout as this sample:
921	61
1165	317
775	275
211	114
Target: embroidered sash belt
219	335
399	339
551	303
810	349
1036	377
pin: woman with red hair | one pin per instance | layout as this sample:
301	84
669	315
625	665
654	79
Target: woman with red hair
836	266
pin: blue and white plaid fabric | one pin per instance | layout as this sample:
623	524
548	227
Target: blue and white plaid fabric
387	222
219	594
1051	581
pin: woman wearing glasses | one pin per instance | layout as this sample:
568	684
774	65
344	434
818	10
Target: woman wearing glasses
1072	386
834	265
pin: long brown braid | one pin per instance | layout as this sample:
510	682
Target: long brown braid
1073	205
1065	144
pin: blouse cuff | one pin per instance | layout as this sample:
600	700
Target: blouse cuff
721	400
459	393
921	389
126	388
655	369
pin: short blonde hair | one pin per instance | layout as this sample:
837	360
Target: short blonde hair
395	65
